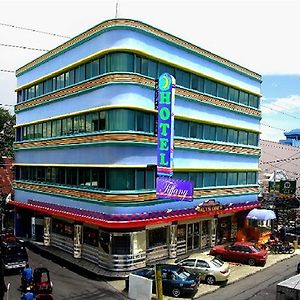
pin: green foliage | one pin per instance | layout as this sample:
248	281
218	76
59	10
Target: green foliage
7	133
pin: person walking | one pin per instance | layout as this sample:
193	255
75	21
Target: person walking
3	287
282	233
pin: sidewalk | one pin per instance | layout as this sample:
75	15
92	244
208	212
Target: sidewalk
238	272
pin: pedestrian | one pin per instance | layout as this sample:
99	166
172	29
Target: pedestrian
26	276
3	288
282	233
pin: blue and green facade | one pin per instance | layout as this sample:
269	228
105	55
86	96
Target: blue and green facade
86	146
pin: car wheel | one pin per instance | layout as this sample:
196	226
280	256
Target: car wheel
251	262
211	280
176	292
291	250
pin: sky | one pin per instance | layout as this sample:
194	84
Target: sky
261	35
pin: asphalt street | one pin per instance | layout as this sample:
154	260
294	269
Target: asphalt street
66	283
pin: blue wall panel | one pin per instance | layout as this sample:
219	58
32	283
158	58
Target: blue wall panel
134	40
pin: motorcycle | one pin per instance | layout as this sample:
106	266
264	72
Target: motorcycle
282	248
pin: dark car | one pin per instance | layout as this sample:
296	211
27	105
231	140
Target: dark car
243	252
176	280
13	252
293	234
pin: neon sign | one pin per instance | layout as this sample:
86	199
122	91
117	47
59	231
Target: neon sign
165	125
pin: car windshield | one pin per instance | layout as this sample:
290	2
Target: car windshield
183	273
255	248
216	262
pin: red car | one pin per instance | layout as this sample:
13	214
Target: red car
244	252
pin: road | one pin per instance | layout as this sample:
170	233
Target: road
260	286
66	283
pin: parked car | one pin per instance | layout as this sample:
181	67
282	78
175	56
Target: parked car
293	234
244	252
175	279
210	268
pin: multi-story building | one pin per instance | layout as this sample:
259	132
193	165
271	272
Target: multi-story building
86	147
292	138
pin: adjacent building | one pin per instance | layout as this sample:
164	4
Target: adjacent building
86	146
292	138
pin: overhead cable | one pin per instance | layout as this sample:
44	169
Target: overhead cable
34	30
7	71
23	47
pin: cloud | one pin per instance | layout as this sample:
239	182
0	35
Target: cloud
287	105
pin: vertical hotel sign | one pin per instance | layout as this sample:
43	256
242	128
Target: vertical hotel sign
165	125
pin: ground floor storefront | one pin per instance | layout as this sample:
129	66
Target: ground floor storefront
125	249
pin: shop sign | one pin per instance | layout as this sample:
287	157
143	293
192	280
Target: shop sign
285	187
174	189
165	124
209	206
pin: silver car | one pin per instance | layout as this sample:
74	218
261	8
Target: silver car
210	268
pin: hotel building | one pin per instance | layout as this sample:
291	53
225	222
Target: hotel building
86	146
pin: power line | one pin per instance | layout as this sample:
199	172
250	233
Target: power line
272	127
281	112
23	47
34	30
2	104
7	71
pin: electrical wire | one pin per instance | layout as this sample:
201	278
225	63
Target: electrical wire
22	47
281	112
8	71
34	30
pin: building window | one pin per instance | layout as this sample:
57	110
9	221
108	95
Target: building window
157	237
90	236
209	179
121	244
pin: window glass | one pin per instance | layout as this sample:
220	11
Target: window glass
157	237
252	138
196	130
84	176
232	178
48	86
253	101
251	178
95	177
144	66
41	174
202	264
48	129
70	77
60	81
140	179
163	68
120	179
188	263
233	94
103	67
152	69
88	70
181	128
150	178
67	126
92	122
242	178
197	83
31	92
95	67
40	89
121	119
221	178
243	137
222	91
221	134
71	176
209	179
210	87
209	132
197	179
244	98
79	123
56	127
121	62
102	120
90	236
121	244
182	78
38	131
232	136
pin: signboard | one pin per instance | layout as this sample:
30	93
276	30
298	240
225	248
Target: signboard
174	189
165	125
208	206
285	187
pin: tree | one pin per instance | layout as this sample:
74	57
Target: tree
7	133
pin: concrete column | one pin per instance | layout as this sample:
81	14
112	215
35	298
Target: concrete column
47	231
78	233
173	241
